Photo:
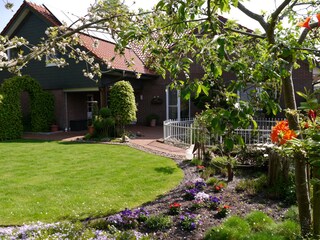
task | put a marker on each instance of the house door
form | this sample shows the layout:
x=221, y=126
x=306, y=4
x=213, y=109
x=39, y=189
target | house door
x=176, y=108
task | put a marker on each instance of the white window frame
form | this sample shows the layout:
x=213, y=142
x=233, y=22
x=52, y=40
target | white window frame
x=48, y=58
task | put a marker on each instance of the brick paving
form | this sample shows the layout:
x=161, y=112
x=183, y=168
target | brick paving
x=147, y=137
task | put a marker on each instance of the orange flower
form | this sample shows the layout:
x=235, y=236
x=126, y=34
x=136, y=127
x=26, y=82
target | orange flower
x=318, y=17
x=175, y=205
x=281, y=133
x=305, y=23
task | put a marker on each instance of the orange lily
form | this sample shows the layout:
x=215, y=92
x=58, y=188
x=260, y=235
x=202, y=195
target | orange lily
x=305, y=23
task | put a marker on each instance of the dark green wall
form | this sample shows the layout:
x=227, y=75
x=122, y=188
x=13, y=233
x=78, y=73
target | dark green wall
x=71, y=76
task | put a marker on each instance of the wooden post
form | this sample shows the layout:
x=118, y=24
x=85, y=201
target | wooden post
x=316, y=202
x=103, y=96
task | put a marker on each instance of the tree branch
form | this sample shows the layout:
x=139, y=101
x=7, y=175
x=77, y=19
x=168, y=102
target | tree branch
x=306, y=31
x=253, y=15
x=245, y=33
x=274, y=19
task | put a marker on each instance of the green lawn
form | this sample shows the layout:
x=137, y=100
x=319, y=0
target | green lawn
x=52, y=181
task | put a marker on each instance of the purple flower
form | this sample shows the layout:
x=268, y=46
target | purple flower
x=115, y=219
x=189, y=221
x=200, y=185
x=214, y=199
x=190, y=193
x=141, y=214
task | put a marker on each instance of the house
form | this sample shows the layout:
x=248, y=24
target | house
x=75, y=94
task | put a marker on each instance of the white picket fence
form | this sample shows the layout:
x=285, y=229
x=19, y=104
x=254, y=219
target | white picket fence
x=185, y=133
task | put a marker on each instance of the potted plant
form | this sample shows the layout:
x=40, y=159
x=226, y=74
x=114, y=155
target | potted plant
x=90, y=127
x=54, y=127
x=152, y=119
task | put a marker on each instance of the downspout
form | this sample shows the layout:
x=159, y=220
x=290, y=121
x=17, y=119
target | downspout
x=66, y=113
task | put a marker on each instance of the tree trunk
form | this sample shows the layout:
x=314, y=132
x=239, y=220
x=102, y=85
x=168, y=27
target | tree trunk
x=316, y=202
x=302, y=192
x=273, y=168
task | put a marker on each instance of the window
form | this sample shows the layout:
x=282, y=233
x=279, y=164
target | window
x=50, y=60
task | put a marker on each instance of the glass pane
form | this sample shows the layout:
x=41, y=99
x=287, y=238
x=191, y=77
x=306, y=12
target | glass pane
x=173, y=97
x=184, y=109
x=173, y=112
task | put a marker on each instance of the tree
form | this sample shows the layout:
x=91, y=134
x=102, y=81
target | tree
x=122, y=104
x=180, y=33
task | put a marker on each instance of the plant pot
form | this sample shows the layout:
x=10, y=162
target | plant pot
x=153, y=122
x=54, y=128
x=91, y=129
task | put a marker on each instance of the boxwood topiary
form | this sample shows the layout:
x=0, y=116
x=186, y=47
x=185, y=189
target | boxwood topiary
x=122, y=104
x=42, y=107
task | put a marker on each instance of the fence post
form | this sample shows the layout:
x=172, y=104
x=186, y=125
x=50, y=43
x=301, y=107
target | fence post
x=191, y=128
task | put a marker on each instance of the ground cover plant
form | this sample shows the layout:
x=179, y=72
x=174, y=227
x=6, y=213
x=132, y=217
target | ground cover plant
x=53, y=181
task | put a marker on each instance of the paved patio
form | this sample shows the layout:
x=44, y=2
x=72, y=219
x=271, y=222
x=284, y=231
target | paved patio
x=148, y=137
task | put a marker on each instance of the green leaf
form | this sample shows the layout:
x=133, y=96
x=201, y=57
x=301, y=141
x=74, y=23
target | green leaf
x=205, y=89
x=160, y=5
x=254, y=123
x=228, y=144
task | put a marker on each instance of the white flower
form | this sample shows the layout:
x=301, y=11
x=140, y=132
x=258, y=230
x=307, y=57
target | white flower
x=201, y=196
x=237, y=105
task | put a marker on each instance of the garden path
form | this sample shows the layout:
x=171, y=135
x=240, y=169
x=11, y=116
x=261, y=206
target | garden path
x=146, y=137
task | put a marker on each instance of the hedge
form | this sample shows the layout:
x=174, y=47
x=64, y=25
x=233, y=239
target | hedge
x=41, y=107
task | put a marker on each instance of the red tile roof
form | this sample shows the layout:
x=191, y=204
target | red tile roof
x=45, y=12
x=42, y=10
x=104, y=50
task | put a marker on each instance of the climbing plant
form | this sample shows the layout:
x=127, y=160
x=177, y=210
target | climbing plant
x=41, y=107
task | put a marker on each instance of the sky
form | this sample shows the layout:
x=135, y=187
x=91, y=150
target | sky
x=80, y=7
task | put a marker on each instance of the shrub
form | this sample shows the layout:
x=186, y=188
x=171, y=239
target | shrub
x=158, y=222
x=233, y=228
x=252, y=186
x=41, y=107
x=103, y=123
x=212, y=181
x=265, y=235
x=288, y=229
x=259, y=221
x=122, y=104
x=292, y=214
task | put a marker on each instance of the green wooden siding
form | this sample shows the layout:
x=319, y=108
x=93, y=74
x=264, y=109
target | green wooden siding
x=71, y=76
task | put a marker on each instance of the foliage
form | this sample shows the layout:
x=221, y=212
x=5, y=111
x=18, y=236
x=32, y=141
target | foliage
x=233, y=228
x=127, y=218
x=41, y=107
x=252, y=155
x=189, y=221
x=51, y=182
x=103, y=123
x=174, y=208
x=259, y=221
x=284, y=190
x=64, y=230
x=256, y=225
x=158, y=222
x=122, y=104
x=252, y=186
